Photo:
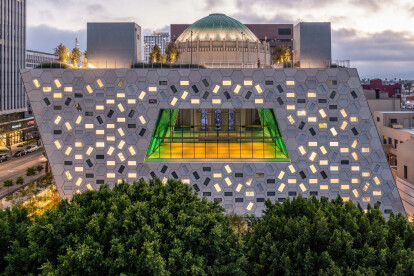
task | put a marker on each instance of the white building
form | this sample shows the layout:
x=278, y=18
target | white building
x=35, y=59
x=160, y=39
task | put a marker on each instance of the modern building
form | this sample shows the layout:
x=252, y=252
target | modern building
x=113, y=45
x=275, y=34
x=35, y=59
x=312, y=44
x=14, y=125
x=160, y=39
x=393, y=90
x=379, y=101
x=221, y=41
x=397, y=132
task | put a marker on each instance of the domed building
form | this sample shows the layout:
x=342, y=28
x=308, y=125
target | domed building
x=218, y=40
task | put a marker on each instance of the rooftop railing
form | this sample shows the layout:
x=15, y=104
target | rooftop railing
x=123, y=64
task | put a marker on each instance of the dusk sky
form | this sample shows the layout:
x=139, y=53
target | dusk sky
x=376, y=35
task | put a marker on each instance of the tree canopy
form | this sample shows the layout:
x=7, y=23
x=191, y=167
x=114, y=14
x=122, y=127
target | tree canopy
x=312, y=237
x=281, y=54
x=172, y=52
x=148, y=228
x=155, y=55
x=143, y=229
x=62, y=52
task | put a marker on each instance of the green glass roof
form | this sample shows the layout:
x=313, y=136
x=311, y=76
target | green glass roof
x=217, y=27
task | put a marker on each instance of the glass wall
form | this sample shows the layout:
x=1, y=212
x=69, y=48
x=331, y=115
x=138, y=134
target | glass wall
x=217, y=134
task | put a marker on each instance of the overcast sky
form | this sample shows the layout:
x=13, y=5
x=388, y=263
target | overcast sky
x=376, y=35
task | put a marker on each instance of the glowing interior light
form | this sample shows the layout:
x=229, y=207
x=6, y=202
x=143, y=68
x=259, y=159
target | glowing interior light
x=132, y=163
x=79, y=181
x=237, y=89
x=132, y=175
x=239, y=187
x=344, y=150
x=132, y=150
x=365, y=150
x=57, y=120
x=110, y=151
x=312, y=119
x=121, y=120
x=355, y=168
x=313, y=168
x=78, y=144
x=301, y=113
x=195, y=101
x=120, y=95
x=100, y=144
x=290, y=119
x=311, y=95
x=152, y=89
x=312, y=156
x=68, y=126
x=334, y=181
x=258, y=101
x=184, y=95
x=121, y=107
x=121, y=157
x=281, y=187
x=292, y=168
x=302, y=187
x=343, y=113
x=110, y=126
x=184, y=83
x=290, y=95
x=334, y=168
x=313, y=181
x=313, y=144
x=58, y=145
x=78, y=169
x=110, y=138
x=79, y=157
x=121, y=132
x=217, y=187
x=89, y=187
x=356, y=180
x=217, y=175
x=100, y=107
x=57, y=83
x=216, y=89
x=249, y=193
x=323, y=125
x=36, y=83
x=302, y=150
x=323, y=187
x=121, y=144
x=100, y=132
x=47, y=89
x=290, y=107
x=354, y=119
x=290, y=82
x=333, y=131
x=344, y=187
x=68, y=150
x=366, y=174
x=323, y=162
x=355, y=143
x=132, y=101
x=68, y=175
x=322, y=113
x=142, y=120
x=376, y=180
x=248, y=83
x=68, y=89
x=228, y=181
x=142, y=95
x=110, y=175
x=250, y=206
x=216, y=101
x=249, y=181
x=57, y=95
x=355, y=192
x=323, y=150
x=258, y=88
x=355, y=156
x=99, y=82
x=79, y=120
x=377, y=193
x=226, y=82
x=89, y=151
x=227, y=168
x=174, y=101
x=89, y=126
x=292, y=181
x=281, y=175
x=89, y=89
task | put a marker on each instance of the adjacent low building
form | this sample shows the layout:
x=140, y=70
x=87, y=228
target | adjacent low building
x=113, y=45
x=36, y=58
x=160, y=39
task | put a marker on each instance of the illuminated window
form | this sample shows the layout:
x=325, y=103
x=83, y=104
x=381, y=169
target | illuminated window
x=311, y=95
x=132, y=163
x=217, y=187
x=258, y=88
x=376, y=180
x=58, y=145
x=343, y=113
x=121, y=107
x=290, y=95
x=121, y=120
x=78, y=169
x=121, y=132
x=366, y=174
x=313, y=168
x=174, y=101
x=323, y=187
x=323, y=162
x=216, y=89
x=57, y=95
x=291, y=120
x=377, y=193
x=88, y=126
x=216, y=101
x=354, y=119
x=322, y=113
x=258, y=101
x=323, y=125
x=79, y=157
x=226, y=82
x=365, y=150
x=100, y=107
x=292, y=168
x=142, y=120
x=290, y=107
x=100, y=132
x=355, y=168
x=228, y=181
x=142, y=95
x=344, y=125
x=313, y=181
x=152, y=89
x=248, y=83
x=250, y=206
x=68, y=126
x=121, y=144
x=323, y=150
x=110, y=138
x=89, y=151
x=67, y=89
x=68, y=175
x=68, y=150
x=110, y=175
x=290, y=82
x=355, y=143
x=132, y=101
x=344, y=187
x=237, y=89
x=57, y=120
x=110, y=151
x=312, y=144
x=100, y=144
x=228, y=169
x=47, y=89
x=312, y=119
x=292, y=181
x=302, y=187
x=333, y=144
x=79, y=181
x=301, y=112
x=281, y=175
x=195, y=101
x=312, y=156
x=36, y=83
x=184, y=95
x=99, y=82
x=239, y=187
x=334, y=168
x=344, y=150
x=355, y=156
x=89, y=89
x=121, y=157
x=132, y=150
x=333, y=131
x=78, y=144
x=184, y=83
x=79, y=120
x=281, y=187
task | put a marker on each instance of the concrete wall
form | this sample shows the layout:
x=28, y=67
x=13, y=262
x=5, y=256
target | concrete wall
x=312, y=43
x=113, y=45
x=405, y=154
x=384, y=105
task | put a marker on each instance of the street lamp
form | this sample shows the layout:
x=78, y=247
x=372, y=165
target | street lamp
x=242, y=48
x=191, y=45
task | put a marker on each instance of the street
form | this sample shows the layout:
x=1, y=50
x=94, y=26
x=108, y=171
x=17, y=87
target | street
x=16, y=166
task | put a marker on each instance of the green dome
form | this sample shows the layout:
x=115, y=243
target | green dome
x=217, y=27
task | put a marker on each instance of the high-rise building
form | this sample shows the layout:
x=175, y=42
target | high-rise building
x=35, y=59
x=113, y=45
x=14, y=126
x=160, y=39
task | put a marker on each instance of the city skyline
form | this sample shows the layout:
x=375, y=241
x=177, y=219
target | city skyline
x=374, y=35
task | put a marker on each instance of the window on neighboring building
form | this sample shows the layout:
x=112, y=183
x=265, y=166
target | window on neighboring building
x=393, y=121
x=285, y=31
x=389, y=141
x=395, y=143
x=378, y=119
x=405, y=172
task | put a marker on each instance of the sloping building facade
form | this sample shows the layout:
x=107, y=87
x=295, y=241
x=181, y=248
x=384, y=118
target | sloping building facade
x=237, y=136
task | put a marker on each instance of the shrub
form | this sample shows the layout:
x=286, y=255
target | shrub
x=8, y=183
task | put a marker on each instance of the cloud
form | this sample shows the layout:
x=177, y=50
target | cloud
x=45, y=38
x=95, y=8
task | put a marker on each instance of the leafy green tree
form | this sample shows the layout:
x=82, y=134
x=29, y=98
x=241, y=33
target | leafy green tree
x=8, y=183
x=172, y=52
x=31, y=171
x=312, y=237
x=146, y=228
x=155, y=55
x=85, y=59
x=20, y=180
x=62, y=52
x=75, y=56
x=281, y=54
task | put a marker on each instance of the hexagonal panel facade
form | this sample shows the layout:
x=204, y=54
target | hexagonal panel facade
x=97, y=125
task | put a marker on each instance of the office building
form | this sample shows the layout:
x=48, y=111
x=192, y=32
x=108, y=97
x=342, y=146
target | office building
x=14, y=125
x=160, y=39
x=35, y=59
x=113, y=45
x=393, y=90
x=312, y=45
